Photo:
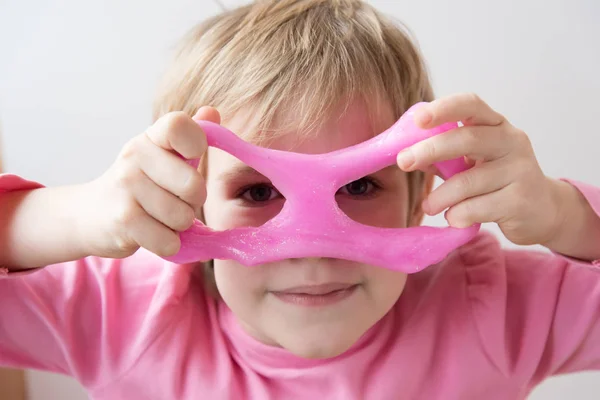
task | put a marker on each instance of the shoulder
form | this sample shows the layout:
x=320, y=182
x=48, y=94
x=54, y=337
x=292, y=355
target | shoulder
x=492, y=294
x=139, y=284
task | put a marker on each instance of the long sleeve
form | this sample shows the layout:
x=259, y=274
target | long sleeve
x=537, y=313
x=89, y=319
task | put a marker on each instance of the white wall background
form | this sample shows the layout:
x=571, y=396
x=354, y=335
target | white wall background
x=77, y=79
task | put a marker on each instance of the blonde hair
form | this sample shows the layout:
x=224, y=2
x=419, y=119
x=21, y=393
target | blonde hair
x=308, y=55
x=300, y=58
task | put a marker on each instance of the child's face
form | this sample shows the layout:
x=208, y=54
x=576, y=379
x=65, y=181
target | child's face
x=310, y=325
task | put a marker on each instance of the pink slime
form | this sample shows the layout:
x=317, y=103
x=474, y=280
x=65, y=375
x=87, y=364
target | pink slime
x=310, y=223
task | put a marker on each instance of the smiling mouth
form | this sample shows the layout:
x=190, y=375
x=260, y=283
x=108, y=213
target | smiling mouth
x=317, y=295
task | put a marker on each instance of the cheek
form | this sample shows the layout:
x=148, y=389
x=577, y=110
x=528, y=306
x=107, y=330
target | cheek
x=235, y=280
x=242, y=288
x=387, y=211
x=385, y=287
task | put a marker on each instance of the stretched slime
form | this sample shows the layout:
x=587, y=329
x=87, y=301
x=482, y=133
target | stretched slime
x=310, y=223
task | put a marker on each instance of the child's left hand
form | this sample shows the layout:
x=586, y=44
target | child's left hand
x=505, y=185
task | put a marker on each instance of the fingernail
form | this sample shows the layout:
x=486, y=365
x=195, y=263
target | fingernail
x=405, y=159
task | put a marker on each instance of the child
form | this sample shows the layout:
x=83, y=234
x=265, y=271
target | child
x=310, y=76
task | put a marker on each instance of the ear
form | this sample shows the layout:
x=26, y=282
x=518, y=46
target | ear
x=417, y=214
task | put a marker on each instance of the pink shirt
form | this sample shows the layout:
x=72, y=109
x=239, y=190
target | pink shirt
x=486, y=323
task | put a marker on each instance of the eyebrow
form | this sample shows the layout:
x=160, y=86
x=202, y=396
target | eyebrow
x=239, y=172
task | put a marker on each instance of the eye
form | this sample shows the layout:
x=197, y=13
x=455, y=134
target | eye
x=259, y=193
x=360, y=187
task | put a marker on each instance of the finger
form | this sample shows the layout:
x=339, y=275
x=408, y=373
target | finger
x=172, y=173
x=480, y=209
x=207, y=113
x=162, y=205
x=483, y=179
x=467, y=108
x=473, y=142
x=176, y=131
x=432, y=170
x=204, y=113
x=154, y=236
x=469, y=162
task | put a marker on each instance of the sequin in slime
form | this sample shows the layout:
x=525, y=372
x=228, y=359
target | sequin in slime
x=310, y=223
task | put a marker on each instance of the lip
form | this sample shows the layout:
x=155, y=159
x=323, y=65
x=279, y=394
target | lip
x=317, y=295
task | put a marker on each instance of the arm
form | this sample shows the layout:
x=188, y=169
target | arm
x=552, y=321
x=146, y=197
x=578, y=235
x=92, y=317
x=538, y=314
x=38, y=226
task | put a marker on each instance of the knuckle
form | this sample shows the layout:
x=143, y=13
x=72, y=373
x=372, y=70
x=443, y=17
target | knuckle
x=471, y=137
x=175, y=123
x=474, y=97
x=427, y=151
x=127, y=214
x=467, y=214
x=521, y=138
x=170, y=245
x=126, y=176
x=454, y=216
x=172, y=212
x=470, y=207
x=131, y=149
x=465, y=182
x=193, y=187
x=501, y=118
x=188, y=216
x=183, y=218
x=125, y=246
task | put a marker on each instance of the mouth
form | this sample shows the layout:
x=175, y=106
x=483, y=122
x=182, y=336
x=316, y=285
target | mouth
x=317, y=295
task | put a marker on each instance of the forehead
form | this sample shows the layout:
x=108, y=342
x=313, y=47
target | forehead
x=349, y=126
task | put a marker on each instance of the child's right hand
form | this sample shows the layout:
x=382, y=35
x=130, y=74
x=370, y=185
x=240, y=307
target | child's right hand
x=150, y=193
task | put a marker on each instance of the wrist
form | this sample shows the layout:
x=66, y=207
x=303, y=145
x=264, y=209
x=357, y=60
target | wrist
x=64, y=221
x=576, y=231
x=76, y=218
x=560, y=197
x=39, y=228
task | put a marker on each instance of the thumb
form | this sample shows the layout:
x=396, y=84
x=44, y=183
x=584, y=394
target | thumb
x=207, y=113
x=204, y=113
